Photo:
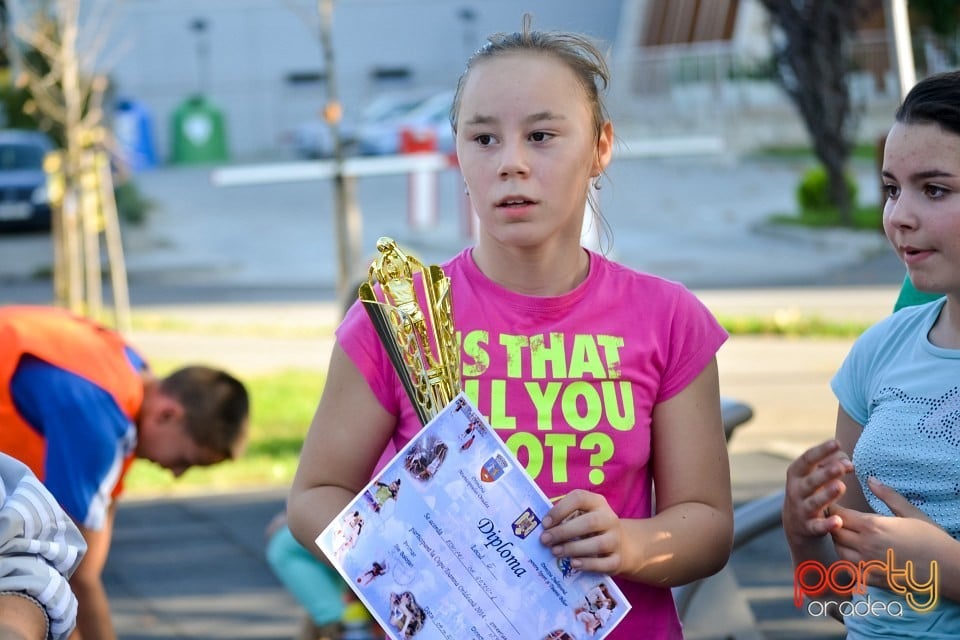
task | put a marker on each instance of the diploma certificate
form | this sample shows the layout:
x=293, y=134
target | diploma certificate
x=444, y=544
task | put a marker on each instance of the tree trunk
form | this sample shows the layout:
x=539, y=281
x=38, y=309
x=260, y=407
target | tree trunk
x=348, y=223
x=813, y=64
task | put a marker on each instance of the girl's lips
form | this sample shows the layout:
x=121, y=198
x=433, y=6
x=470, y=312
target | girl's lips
x=516, y=211
x=912, y=255
x=515, y=207
x=515, y=201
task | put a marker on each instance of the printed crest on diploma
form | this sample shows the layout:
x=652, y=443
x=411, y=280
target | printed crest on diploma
x=444, y=543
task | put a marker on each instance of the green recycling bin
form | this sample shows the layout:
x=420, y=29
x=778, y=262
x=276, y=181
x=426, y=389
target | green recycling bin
x=199, y=133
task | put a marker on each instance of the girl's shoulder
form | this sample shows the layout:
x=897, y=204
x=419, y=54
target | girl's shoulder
x=618, y=275
x=906, y=322
x=900, y=333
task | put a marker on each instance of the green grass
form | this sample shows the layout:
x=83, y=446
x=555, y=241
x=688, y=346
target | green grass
x=791, y=324
x=861, y=151
x=283, y=403
x=865, y=218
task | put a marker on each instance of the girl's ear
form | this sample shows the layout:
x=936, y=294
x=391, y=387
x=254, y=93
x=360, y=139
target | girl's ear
x=604, y=148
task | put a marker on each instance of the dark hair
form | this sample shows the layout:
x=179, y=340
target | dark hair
x=216, y=407
x=934, y=100
x=578, y=52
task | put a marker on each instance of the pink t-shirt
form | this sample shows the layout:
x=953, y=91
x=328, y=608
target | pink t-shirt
x=570, y=383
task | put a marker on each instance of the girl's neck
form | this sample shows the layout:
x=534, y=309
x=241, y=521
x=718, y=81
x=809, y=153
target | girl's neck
x=542, y=272
x=945, y=332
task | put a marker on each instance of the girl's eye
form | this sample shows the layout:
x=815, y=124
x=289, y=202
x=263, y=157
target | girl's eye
x=540, y=136
x=891, y=191
x=934, y=191
x=483, y=139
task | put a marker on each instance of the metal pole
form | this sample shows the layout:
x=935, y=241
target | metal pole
x=901, y=58
x=901, y=50
x=199, y=26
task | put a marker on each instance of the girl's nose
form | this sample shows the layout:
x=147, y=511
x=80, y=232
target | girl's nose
x=513, y=160
x=899, y=213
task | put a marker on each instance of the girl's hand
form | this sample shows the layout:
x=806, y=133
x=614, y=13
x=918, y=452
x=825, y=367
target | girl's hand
x=899, y=505
x=813, y=486
x=910, y=534
x=583, y=527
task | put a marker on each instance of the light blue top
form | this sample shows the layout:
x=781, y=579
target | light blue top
x=906, y=393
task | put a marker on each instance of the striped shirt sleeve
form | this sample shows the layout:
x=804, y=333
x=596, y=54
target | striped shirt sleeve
x=40, y=546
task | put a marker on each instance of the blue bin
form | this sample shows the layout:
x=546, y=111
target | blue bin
x=133, y=128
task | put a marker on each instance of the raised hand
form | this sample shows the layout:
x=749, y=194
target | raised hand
x=814, y=483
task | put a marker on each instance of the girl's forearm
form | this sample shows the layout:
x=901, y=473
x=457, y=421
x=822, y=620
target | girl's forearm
x=681, y=544
x=309, y=512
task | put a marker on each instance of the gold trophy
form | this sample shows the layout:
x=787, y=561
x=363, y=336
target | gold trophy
x=419, y=338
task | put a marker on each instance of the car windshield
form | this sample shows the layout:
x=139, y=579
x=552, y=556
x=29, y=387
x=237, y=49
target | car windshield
x=396, y=110
x=387, y=107
x=20, y=156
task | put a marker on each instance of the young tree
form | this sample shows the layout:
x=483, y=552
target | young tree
x=66, y=98
x=813, y=64
x=347, y=217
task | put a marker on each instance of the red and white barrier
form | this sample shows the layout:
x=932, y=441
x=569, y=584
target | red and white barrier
x=423, y=169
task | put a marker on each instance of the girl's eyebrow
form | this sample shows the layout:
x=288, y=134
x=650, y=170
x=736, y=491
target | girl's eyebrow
x=544, y=115
x=480, y=119
x=921, y=175
x=533, y=117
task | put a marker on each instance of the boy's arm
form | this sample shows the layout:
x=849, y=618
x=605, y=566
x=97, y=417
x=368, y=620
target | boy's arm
x=93, y=616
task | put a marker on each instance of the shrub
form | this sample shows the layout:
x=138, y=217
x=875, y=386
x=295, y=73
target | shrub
x=813, y=193
x=132, y=205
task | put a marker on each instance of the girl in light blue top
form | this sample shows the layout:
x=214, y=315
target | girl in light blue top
x=883, y=498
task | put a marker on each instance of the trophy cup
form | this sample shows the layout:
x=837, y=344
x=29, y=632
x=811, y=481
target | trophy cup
x=419, y=338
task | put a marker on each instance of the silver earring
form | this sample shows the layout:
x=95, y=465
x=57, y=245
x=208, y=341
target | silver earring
x=596, y=183
x=466, y=189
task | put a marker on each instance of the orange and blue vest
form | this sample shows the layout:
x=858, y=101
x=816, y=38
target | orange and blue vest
x=99, y=358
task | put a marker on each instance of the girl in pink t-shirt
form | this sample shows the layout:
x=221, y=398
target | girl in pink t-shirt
x=603, y=380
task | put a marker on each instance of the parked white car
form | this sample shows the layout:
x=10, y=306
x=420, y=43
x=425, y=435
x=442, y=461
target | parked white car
x=314, y=139
x=430, y=117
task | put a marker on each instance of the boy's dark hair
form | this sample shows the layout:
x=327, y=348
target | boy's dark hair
x=933, y=100
x=216, y=407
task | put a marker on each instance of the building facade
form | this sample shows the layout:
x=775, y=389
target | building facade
x=260, y=62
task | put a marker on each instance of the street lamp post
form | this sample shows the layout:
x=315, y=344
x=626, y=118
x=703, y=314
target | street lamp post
x=898, y=26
